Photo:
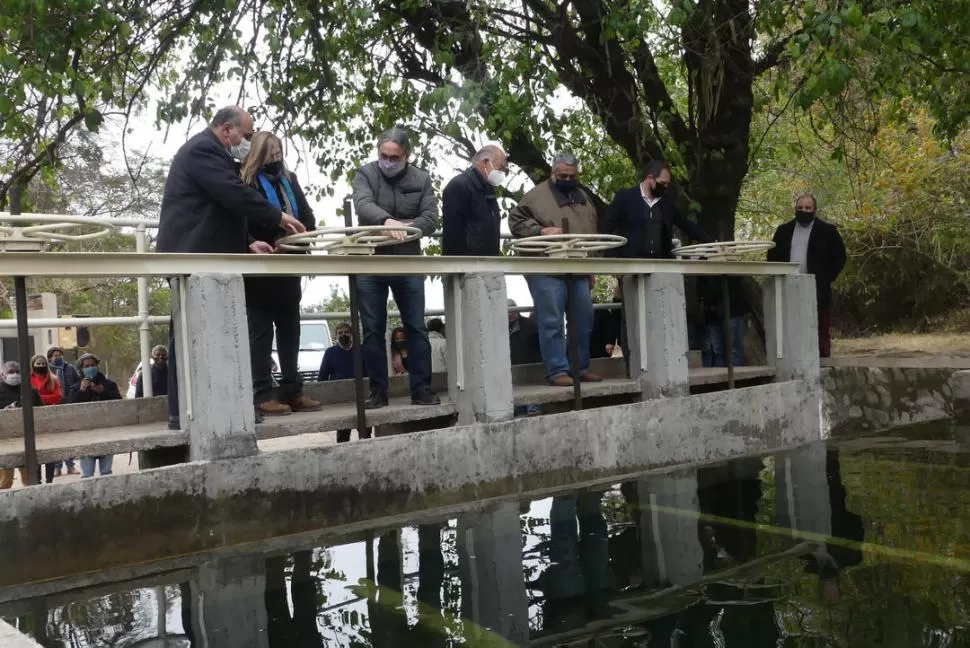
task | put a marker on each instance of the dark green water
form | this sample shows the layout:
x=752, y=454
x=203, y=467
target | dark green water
x=861, y=543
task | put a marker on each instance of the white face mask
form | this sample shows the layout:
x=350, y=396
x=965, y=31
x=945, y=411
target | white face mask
x=496, y=177
x=240, y=150
x=12, y=379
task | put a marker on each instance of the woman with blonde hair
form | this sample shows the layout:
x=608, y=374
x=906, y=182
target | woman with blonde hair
x=45, y=382
x=274, y=302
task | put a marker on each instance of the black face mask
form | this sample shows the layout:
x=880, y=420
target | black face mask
x=804, y=217
x=344, y=340
x=566, y=186
x=659, y=190
x=40, y=371
x=399, y=344
x=273, y=169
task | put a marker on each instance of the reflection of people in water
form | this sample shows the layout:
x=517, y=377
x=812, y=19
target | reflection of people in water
x=833, y=557
x=578, y=575
x=300, y=629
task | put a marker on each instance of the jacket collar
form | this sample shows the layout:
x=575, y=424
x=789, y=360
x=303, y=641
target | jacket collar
x=478, y=180
x=575, y=197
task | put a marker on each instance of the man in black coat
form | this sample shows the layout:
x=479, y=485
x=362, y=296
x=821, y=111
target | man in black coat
x=469, y=207
x=207, y=207
x=523, y=338
x=817, y=247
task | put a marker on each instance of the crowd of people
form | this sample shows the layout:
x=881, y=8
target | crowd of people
x=229, y=191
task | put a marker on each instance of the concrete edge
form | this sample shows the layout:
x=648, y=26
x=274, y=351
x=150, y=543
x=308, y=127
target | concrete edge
x=10, y=637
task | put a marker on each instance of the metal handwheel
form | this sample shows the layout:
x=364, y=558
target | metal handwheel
x=35, y=232
x=347, y=240
x=569, y=246
x=723, y=251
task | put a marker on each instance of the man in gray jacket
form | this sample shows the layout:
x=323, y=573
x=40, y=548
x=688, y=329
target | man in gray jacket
x=393, y=193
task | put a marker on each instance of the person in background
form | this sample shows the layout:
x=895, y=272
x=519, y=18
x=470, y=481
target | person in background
x=338, y=364
x=399, y=351
x=393, y=193
x=95, y=386
x=70, y=380
x=711, y=291
x=524, y=349
x=544, y=211
x=159, y=374
x=439, y=345
x=818, y=249
x=10, y=379
x=207, y=208
x=471, y=220
x=606, y=332
x=44, y=382
x=275, y=301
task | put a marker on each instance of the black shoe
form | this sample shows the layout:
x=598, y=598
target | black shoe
x=260, y=417
x=173, y=424
x=425, y=397
x=376, y=400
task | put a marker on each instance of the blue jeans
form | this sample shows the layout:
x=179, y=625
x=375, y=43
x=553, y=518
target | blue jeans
x=549, y=298
x=712, y=351
x=408, y=294
x=87, y=465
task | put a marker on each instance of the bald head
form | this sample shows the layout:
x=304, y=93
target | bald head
x=491, y=159
x=233, y=125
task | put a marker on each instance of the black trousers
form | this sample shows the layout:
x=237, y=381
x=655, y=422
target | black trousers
x=343, y=436
x=173, y=373
x=286, y=321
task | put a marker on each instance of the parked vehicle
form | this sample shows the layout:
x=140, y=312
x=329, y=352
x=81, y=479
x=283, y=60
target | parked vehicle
x=314, y=341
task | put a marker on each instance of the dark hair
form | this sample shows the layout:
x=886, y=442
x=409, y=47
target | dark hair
x=228, y=115
x=808, y=195
x=654, y=168
x=435, y=324
x=399, y=329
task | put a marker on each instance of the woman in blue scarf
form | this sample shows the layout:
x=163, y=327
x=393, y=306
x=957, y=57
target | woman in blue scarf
x=275, y=301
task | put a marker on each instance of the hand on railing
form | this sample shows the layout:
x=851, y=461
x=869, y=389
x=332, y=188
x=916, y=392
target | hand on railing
x=550, y=231
x=397, y=234
x=261, y=247
x=292, y=225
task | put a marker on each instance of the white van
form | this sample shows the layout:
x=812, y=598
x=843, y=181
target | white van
x=314, y=341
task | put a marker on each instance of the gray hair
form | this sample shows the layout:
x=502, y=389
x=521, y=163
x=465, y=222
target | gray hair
x=808, y=195
x=487, y=151
x=10, y=364
x=88, y=356
x=160, y=347
x=231, y=115
x=398, y=136
x=565, y=158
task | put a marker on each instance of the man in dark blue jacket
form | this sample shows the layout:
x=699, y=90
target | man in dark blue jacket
x=470, y=213
x=207, y=207
x=338, y=364
x=646, y=216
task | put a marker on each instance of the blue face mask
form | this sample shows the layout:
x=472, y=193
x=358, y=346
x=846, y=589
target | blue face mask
x=90, y=372
x=58, y=362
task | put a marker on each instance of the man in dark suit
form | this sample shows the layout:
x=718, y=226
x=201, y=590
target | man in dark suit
x=471, y=221
x=646, y=216
x=207, y=207
x=817, y=247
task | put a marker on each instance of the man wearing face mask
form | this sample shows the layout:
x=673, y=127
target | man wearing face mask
x=207, y=208
x=471, y=221
x=338, y=364
x=394, y=193
x=817, y=247
x=159, y=374
x=542, y=212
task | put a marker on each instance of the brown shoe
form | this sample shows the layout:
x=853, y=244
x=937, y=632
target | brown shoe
x=303, y=404
x=561, y=381
x=273, y=408
x=589, y=376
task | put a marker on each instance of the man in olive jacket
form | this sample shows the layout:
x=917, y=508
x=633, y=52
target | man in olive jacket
x=542, y=212
x=393, y=193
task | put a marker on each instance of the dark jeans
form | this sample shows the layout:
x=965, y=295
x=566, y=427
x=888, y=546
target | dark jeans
x=408, y=294
x=173, y=373
x=824, y=338
x=287, y=323
x=343, y=436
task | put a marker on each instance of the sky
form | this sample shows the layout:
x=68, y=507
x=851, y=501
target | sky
x=144, y=137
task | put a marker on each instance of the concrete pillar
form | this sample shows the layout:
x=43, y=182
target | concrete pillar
x=217, y=382
x=228, y=606
x=671, y=549
x=479, y=365
x=490, y=563
x=656, y=321
x=802, y=490
x=796, y=339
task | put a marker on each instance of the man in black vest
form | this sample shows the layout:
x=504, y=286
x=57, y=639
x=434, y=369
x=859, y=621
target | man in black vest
x=817, y=247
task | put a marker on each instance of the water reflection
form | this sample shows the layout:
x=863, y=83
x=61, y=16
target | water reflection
x=756, y=552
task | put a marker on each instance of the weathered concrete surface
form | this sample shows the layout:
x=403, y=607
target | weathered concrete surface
x=85, y=416
x=799, y=318
x=229, y=604
x=223, y=423
x=479, y=373
x=122, y=519
x=874, y=398
x=960, y=383
x=659, y=362
x=10, y=637
x=886, y=362
x=670, y=544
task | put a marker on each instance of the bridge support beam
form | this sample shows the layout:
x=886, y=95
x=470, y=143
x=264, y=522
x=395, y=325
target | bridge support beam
x=671, y=549
x=479, y=364
x=490, y=564
x=791, y=327
x=216, y=390
x=228, y=607
x=656, y=333
x=802, y=490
